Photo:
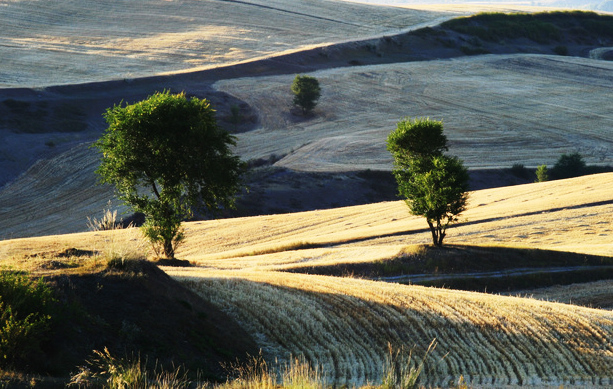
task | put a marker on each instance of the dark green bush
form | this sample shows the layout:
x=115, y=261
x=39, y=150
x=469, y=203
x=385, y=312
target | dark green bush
x=568, y=165
x=494, y=27
x=26, y=309
x=520, y=171
x=560, y=50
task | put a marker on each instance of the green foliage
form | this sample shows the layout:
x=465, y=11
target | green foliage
x=415, y=139
x=542, y=174
x=561, y=50
x=539, y=27
x=439, y=194
x=567, y=166
x=520, y=171
x=434, y=185
x=306, y=92
x=494, y=27
x=26, y=309
x=235, y=115
x=166, y=156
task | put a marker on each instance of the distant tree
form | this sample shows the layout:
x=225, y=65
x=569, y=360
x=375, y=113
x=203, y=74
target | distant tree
x=306, y=92
x=568, y=165
x=542, y=174
x=434, y=185
x=166, y=156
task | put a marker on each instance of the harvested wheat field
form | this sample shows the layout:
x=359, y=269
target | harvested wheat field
x=51, y=43
x=498, y=110
x=345, y=324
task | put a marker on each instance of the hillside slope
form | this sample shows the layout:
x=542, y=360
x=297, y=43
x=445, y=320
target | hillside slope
x=497, y=110
x=345, y=324
x=48, y=43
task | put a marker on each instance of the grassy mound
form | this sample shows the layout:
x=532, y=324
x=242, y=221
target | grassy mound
x=542, y=27
x=137, y=311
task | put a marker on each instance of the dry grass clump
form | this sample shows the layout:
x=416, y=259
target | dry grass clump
x=107, y=371
x=77, y=253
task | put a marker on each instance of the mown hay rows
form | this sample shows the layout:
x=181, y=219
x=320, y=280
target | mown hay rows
x=346, y=324
x=56, y=195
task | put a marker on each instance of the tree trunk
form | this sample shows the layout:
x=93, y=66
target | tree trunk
x=434, y=232
x=169, y=251
x=438, y=233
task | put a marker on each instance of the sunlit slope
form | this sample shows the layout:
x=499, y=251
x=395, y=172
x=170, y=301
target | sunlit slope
x=49, y=42
x=497, y=110
x=598, y=294
x=569, y=215
x=345, y=325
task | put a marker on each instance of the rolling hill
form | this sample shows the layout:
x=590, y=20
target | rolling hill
x=344, y=324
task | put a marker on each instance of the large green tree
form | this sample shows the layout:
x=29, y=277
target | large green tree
x=434, y=185
x=166, y=157
x=306, y=91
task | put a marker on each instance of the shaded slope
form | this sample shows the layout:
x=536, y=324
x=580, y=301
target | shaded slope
x=140, y=311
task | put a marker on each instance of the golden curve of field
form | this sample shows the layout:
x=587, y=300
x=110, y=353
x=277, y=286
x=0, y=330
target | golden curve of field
x=497, y=111
x=46, y=43
x=344, y=325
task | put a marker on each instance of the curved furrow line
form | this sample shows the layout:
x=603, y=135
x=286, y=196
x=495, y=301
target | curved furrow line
x=344, y=325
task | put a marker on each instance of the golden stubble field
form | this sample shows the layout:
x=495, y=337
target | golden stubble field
x=498, y=110
x=345, y=325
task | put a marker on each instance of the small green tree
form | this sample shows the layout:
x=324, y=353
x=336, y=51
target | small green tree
x=166, y=156
x=306, y=92
x=541, y=174
x=434, y=185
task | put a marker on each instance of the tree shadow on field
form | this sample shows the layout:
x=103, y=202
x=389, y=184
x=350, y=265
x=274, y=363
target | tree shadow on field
x=489, y=340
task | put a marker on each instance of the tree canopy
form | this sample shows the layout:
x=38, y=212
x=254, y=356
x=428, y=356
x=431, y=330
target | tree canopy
x=166, y=156
x=434, y=185
x=306, y=92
